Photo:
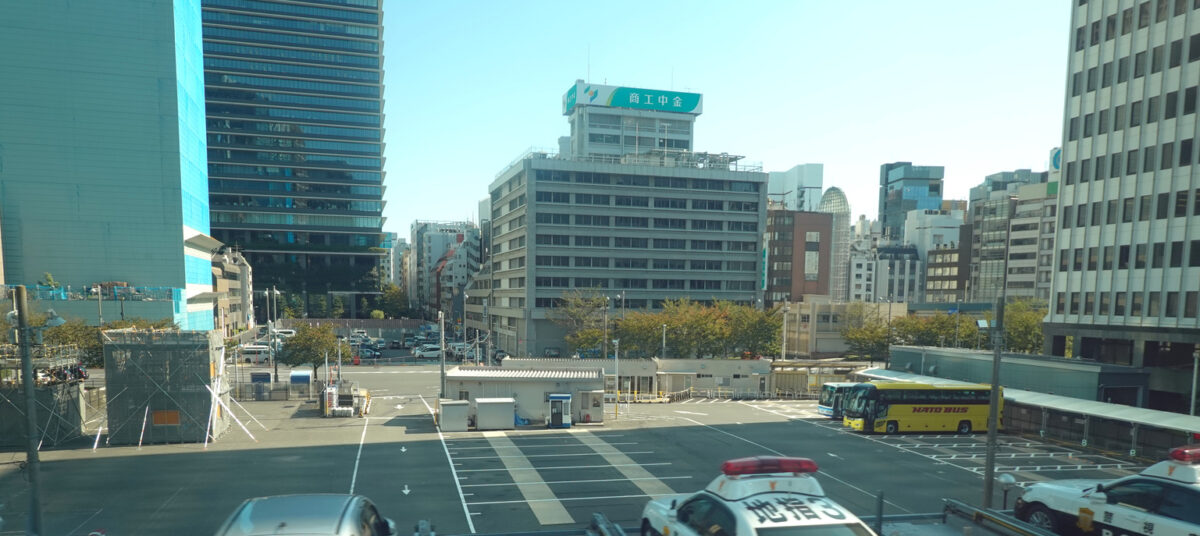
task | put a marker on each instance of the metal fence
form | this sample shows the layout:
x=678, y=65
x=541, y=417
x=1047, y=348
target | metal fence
x=1117, y=437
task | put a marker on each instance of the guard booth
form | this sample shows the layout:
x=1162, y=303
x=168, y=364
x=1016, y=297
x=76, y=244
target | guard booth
x=560, y=411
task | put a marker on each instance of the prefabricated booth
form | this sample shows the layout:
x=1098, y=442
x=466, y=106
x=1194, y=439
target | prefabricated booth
x=531, y=392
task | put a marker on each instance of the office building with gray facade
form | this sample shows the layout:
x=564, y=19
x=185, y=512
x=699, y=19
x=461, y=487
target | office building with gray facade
x=1127, y=281
x=638, y=220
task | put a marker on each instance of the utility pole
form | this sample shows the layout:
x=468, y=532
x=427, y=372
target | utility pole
x=442, y=329
x=617, y=373
x=664, y=356
x=605, y=342
x=783, y=338
x=34, y=524
x=989, y=468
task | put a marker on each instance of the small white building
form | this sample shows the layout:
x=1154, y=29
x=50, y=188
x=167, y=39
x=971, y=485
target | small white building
x=531, y=389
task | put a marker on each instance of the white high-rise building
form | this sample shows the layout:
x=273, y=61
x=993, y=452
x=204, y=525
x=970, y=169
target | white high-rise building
x=1126, y=285
x=798, y=188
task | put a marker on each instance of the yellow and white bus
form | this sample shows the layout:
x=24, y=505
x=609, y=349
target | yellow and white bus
x=894, y=407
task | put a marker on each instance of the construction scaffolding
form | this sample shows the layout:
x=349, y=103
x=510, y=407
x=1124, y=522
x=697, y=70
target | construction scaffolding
x=165, y=386
x=62, y=408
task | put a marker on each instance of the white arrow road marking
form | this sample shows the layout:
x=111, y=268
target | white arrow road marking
x=690, y=413
x=832, y=454
x=405, y=490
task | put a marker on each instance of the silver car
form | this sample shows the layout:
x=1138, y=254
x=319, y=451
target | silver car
x=332, y=513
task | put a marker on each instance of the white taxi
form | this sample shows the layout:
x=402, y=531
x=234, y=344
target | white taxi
x=759, y=496
x=1162, y=500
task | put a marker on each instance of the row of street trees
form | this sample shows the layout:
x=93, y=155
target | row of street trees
x=692, y=329
x=868, y=334
x=87, y=338
x=392, y=303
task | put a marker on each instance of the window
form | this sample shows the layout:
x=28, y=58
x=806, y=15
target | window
x=1123, y=258
x=1156, y=59
x=1152, y=110
x=592, y=241
x=591, y=199
x=743, y=226
x=1097, y=212
x=1072, y=130
x=1110, y=27
x=1196, y=203
x=670, y=182
x=1085, y=171
x=1143, y=15
x=627, y=221
x=1144, y=213
x=1081, y=216
x=705, y=265
x=1115, y=167
x=1194, y=253
x=670, y=243
x=1175, y=56
x=1131, y=162
x=1080, y=38
x=1078, y=264
x=552, y=260
x=548, y=217
x=1119, y=307
x=553, y=282
x=1180, y=7
x=708, y=225
x=1189, y=94
x=591, y=262
x=1163, y=206
x=1089, y=303
x=1095, y=33
x=1157, y=251
x=708, y=204
x=707, y=245
x=1168, y=156
x=630, y=263
x=668, y=202
x=1194, y=48
x=1111, y=212
x=1092, y=79
x=631, y=201
x=1060, y=303
x=669, y=264
x=1139, y=65
x=1189, y=304
x=1177, y=254
x=1135, y=114
x=1127, y=210
x=1089, y=126
x=1067, y=216
x=632, y=243
x=593, y=178
x=704, y=284
x=670, y=223
x=1108, y=257
x=552, y=240
x=591, y=282
x=743, y=206
x=1160, y=11
x=1105, y=303
x=1093, y=258
x=1139, y=256
x=673, y=284
x=1185, y=152
x=552, y=197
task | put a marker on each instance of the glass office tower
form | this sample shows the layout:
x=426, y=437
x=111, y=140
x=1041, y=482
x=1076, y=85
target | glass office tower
x=294, y=114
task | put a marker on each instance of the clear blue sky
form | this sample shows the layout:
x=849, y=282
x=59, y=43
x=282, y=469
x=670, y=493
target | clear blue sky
x=975, y=86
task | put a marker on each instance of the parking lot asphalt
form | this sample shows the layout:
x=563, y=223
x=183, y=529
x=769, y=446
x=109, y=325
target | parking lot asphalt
x=491, y=482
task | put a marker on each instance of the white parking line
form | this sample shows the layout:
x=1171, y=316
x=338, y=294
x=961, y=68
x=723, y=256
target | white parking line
x=558, y=445
x=572, y=481
x=636, y=474
x=572, y=467
x=541, y=499
x=538, y=455
x=600, y=498
x=453, y=472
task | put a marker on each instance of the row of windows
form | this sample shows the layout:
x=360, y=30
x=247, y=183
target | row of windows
x=1136, y=303
x=1126, y=20
x=291, y=128
x=657, y=284
x=643, y=222
x=264, y=97
x=219, y=109
x=1103, y=76
x=1119, y=164
x=294, y=173
x=290, y=69
x=315, y=159
x=228, y=185
x=306, y=41
x=1148, y=206
x=285, y=83
x=306, y=11
x=641, y=263
x=644, y=243
x=268, y=23
x=641, y=201
x=635, y=141
x=545, y=175
x=217, y=200
x=211, y=47
x=1133, y=114
x=634, y=303
x=1156, y=255
x=292, y=143
x=296, y=219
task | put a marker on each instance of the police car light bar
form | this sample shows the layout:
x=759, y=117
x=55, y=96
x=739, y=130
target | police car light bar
x=1185, y=454
x=758, y=465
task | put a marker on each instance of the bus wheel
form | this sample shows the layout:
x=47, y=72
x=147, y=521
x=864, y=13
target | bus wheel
x=964, y=427
x=892, y=427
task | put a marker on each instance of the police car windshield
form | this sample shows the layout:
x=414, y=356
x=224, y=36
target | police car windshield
x=815, y=530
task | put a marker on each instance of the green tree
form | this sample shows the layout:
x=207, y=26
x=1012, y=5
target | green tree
x=394, y=302
x=310, y=346
x=77, y=332
x=292, y=305
x=339, y=308
x=695, y=330
x=751, y=330
x=865, y=331
x=640, y=333
x=377, y=314
x=48, y=281
x=1023, y=326
x=581, y=311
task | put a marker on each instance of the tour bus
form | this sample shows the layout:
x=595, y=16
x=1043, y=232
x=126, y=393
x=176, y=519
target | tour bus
x=256, y=353
x=833, y=395
x=917, y=407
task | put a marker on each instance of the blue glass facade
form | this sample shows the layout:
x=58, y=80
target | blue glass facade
x=904, y=187
x=294, y=137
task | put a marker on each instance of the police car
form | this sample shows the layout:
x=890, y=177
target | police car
x=1162, y=500
x=763, y=496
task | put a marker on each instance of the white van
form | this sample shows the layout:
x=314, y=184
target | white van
x=285, y=332
x=256, y=353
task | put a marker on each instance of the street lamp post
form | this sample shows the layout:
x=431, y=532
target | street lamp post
x=29, y=381
x=617, y=373
x=442, y=329
x=783, y=339
x=605, y=342
x=665, y=351
x=957, y=311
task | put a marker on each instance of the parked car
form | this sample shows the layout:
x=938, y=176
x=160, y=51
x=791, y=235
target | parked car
x=367, y=353
x=427, y=351
x=396, y=344
x=552, y=352
x=333, y=514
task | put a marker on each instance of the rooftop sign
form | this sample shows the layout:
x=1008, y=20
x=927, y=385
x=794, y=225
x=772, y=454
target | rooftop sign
x=582, y=93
